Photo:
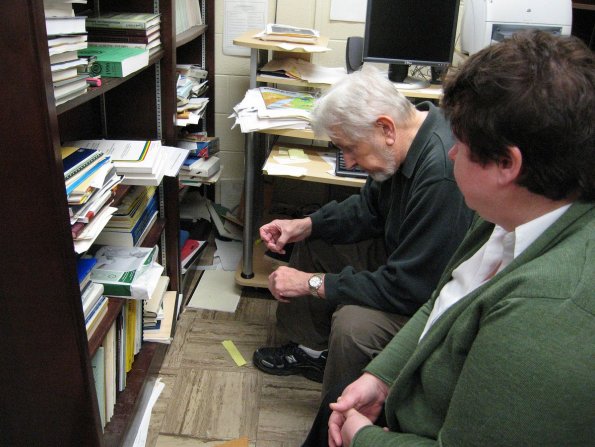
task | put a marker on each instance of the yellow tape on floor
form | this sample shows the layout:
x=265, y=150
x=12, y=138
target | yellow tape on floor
x=233, y=351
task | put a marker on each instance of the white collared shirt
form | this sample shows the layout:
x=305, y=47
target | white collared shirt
x=499, y=251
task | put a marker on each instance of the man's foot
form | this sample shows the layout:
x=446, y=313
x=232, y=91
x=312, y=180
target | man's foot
x=288, y=360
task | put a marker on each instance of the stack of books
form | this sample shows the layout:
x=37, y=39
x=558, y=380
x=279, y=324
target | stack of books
x=161, y=332
x=132, y=220
x=191, y=85
x=93, y=301
x=90, y=179
x=197, y=171
x=288, y=33
x=66, y=35
x=153, y=307
x=125, y=30
x=140, y=162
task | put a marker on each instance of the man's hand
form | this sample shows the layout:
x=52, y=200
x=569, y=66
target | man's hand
x=278, y=233
x=360, y=404
x=287, y=282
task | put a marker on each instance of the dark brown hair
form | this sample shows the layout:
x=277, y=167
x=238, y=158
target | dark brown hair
x=537, y=92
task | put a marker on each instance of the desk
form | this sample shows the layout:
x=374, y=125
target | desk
x=260, y=52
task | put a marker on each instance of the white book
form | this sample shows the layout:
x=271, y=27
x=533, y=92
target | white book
x=109, y=344
x=65, y=25
x=153, y=304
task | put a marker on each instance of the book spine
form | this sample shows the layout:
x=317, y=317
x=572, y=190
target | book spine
x=117, y=24
x=144, y=220
x=121, y=44
x=103, y=39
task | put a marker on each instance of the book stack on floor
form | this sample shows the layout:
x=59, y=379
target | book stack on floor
x=140, y=162
x=138, y=31
x=90, y=179
x=66, y=35
x=132, y=220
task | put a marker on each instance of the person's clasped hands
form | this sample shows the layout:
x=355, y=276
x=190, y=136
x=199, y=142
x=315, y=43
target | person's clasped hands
x=359, y=405
x=286, y=282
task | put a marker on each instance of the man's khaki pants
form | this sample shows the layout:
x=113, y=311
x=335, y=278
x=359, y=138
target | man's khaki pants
x=352, y=334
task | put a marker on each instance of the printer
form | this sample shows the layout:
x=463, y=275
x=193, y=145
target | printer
x=490, y=21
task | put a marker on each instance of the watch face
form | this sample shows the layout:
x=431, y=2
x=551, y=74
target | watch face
x=315, y=282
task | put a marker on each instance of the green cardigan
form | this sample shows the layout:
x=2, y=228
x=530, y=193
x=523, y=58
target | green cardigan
x=510, y=364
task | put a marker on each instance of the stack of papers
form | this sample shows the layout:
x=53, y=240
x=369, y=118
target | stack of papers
x=140, y=162
x=302, y=70
x=270, y=108
x=288, y=33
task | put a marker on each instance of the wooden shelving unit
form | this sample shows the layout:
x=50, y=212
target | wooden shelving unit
x=253, y=270
x=47, y=383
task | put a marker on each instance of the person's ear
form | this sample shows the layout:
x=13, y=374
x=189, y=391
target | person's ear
x=509, y=166
x=387, y=125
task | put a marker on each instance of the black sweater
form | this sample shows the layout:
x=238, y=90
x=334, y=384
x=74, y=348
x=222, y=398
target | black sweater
x=419, y=212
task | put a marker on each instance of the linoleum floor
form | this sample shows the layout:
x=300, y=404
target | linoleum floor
x=208, y=400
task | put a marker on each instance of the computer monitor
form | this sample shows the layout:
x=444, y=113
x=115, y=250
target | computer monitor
x=402, y=33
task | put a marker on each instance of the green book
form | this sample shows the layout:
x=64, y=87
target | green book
x=115, y=62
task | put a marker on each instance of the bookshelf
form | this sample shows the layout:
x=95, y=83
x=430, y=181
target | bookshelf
x=47, y=383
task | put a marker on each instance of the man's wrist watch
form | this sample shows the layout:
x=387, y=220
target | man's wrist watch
x=314, y=283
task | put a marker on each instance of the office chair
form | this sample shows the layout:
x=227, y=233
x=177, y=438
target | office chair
x=354, y=53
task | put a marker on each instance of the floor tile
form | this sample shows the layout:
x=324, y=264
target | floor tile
x=210, y=404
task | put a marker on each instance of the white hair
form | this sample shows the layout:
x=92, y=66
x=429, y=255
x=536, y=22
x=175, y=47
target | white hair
x=353, y=105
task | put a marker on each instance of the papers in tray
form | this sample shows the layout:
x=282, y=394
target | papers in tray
x=269, y=108
x=303, y=70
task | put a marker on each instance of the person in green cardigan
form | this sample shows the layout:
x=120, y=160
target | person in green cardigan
x=503, y=353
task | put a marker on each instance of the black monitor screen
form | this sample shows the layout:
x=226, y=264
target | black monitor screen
x=416, y=32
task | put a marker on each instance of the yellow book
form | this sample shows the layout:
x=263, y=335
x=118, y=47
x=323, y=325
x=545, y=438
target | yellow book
x=130, y=333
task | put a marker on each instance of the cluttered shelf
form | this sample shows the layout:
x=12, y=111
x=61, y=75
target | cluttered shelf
x=248, y=40
x=317, y=165
x=107, y=84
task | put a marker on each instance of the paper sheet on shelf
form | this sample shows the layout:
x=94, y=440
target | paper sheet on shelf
x=291, y=171
x=174, y=158
x=306, y=71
